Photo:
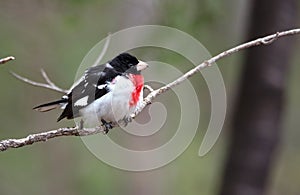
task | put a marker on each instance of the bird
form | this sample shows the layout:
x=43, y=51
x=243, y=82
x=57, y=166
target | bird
x=108, y=93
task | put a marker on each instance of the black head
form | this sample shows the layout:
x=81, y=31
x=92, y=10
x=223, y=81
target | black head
x=124, y=62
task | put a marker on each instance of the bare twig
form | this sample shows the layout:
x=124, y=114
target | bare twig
x=7, y=59
x=48, y=85
x=103, y=51
x=148, y=87
x=44, y=74
x=14, y=143
x=105, y=47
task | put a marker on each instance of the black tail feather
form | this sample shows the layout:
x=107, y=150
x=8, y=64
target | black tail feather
x=68, y=112
x=50, y=106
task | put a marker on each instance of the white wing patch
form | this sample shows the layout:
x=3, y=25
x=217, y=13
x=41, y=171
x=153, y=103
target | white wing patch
x=107, y=65
x=82, y=101
x=101, y=86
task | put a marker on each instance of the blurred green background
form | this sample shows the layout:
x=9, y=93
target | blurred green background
x=56, y=35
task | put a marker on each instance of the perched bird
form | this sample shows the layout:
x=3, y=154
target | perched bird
x=108, y=92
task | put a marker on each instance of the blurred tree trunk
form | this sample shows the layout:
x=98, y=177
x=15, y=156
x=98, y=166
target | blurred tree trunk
x=260, y=103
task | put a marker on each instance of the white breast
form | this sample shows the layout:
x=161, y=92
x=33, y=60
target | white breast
x=113, y=106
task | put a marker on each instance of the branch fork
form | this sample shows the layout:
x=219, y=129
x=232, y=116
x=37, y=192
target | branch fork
x=48, y=85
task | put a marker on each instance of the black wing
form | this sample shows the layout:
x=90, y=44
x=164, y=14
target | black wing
x=91, y=87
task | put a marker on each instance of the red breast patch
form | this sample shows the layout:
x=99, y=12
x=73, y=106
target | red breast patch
x=138, y=81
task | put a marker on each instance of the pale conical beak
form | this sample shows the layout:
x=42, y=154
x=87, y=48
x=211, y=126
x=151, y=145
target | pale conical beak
x=141, y=65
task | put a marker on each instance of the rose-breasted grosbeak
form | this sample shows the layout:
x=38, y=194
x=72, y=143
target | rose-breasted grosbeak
x=108, y=92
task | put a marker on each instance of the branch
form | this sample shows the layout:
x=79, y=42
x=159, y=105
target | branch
x=7, y=59
x=42, y=137
x=260, y=41
x=49, y=84
x=76, y=131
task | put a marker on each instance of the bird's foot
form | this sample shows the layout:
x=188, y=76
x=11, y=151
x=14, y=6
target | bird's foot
x=81, y=124
x=127, y=120
x=124, y=122
x=107, y=126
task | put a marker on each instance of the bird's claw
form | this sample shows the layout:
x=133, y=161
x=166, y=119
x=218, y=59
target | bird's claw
x=81, y=124
x=126, y=120
x=107, y=126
